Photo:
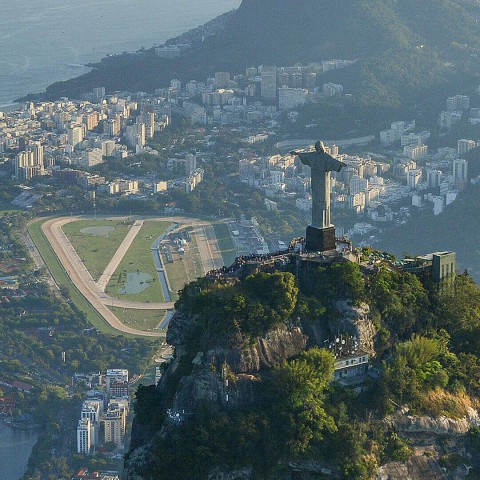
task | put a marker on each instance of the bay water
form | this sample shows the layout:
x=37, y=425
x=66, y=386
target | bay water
x=43, y=41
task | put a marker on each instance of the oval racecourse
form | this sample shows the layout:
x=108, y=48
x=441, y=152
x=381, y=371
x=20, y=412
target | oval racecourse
x=128, y=269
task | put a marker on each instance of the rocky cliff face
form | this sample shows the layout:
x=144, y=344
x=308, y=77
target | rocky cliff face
x=411, y=424
x=240, y=366
x=221, y=377
x=429, y=437
x=275, y=347
x=421, y=466
x=244, y=474
x=226, y=376
x=355, y=320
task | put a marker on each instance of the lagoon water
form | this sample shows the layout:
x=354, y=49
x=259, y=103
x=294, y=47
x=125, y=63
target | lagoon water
x=15, y=449
x=43, y=41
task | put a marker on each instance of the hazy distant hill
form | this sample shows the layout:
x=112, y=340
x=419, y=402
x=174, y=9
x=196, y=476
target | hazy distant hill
x=283, y=32
x=405, y=47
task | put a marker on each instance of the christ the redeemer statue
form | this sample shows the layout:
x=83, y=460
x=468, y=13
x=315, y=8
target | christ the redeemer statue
x=321, y=234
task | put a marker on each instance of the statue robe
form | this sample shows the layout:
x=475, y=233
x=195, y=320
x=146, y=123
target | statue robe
x=321, y=164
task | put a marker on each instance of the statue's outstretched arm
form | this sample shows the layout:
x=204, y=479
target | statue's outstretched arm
x=332, y=164
x=305, y=157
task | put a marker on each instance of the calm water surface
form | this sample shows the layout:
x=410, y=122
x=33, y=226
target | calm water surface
x=15, y=448
x=43, y=41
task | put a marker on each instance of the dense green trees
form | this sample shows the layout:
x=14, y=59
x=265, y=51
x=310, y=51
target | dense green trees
x=250, y=309
x=339, y=281
x=25, y=336
x=295, y=397
x=401, y=300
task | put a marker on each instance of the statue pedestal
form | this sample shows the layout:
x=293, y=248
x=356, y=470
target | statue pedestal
x=320, y=239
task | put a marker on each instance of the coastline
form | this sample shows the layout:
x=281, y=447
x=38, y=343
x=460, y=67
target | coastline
x=10, y=107
x=18, y=426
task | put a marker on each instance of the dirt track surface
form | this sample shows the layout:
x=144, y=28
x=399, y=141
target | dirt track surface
x=208, y=247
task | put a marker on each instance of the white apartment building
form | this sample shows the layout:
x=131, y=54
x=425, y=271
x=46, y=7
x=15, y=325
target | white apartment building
x=84, y=436
x=113, y=425
x=107, y=146
x=91, y=411
x=148, y=119
x=414, y=138
x=387, y=137
x=397, y=129
x=176, y=84
x=448, y=119
x=268, y=83
x=193, y=180
x=112, y=127
x=458, y=102
x=475, y=112
x=446, y=152
x=357, y=184
x=371, y=195
x=91, y=157
x=376, y=180
x=289, y=98
x=438, y=205
x=357, y=202
x=415, y=152
x=190, y=164
x=75, y=134
x=115, y=375
x=434, y=178
x=413, y=178
x=27, y=165
x=417, y=200
x=332, y=89
x=460, y=170
x=136, y=135
x=465, y=145
x=450, y=197
x=277, y=176
x=99, y=92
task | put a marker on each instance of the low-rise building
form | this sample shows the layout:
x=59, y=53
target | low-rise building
x=351, y=369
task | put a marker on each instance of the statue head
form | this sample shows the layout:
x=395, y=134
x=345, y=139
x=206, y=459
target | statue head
x=319, y=147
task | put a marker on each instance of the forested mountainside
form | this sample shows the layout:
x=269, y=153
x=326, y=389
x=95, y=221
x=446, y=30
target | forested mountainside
x=251, y=392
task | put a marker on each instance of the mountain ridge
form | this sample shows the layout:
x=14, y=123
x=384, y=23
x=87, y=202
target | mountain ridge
x=429, y=35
